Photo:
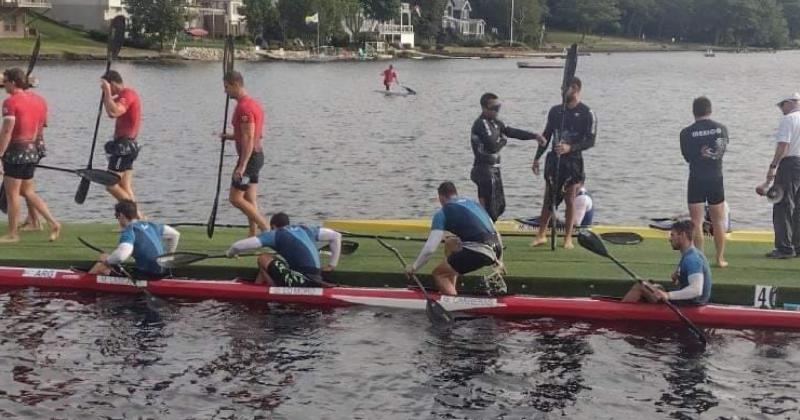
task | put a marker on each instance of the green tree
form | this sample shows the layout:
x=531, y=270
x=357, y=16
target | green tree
x=791, y=12
x=260, y=16
x=352, y=16
x=586, y=15
x=155, y=19
x=635, y=15
x=382, y=10
x=428, y=24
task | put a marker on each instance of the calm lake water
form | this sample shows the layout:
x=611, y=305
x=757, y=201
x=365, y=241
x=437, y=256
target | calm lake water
x=337, y=148
x=83, y=356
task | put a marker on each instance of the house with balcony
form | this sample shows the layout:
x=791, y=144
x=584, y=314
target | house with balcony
x=90, y=15
x=218, y=17
x=14, y=15
x=400, y=32
x=457, y=18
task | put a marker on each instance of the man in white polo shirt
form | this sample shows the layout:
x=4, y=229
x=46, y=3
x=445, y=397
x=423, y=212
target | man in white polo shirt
x=785, y=171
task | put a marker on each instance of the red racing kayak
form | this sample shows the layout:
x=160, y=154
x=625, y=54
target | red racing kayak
x=724, y=316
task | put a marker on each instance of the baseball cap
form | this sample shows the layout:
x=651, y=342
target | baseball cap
x=792, y=97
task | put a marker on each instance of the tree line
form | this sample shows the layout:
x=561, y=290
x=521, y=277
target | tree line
x=741, y=23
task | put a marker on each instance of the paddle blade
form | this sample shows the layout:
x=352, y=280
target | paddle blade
x=437, y=314
x=34, y=56
x=592, y=242
x=569, y=70
x=3, y=199
x=99, y=176
x=212, y=218
x=116, y=36
x=179, y=259
x=83, y=191
x=409, y=90
x=348, y=247
x=622, y=238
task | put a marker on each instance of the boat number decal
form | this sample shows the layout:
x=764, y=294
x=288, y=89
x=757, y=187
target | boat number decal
x=472, y=301
x=297, y=291
x=120, y=281
x=39, y=272
x=765, y=297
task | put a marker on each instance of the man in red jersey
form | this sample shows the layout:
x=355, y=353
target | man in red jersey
x=32, y=221
x=389, y=77
x=122, y=103
x=248, y=122
x=22, y=118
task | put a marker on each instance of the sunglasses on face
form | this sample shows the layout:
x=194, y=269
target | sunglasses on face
x=494, y=108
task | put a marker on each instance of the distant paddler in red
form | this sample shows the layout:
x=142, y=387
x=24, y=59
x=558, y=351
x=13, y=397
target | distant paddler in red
x=23, y=116
x=122, y=103
x=389, y=77
x=248, y=123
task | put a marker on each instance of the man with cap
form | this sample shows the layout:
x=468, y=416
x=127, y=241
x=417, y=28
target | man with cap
x=784, y=171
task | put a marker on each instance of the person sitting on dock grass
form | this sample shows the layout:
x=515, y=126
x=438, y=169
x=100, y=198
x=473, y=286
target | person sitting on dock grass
x=296, y=244
x=693, y=274
x=140, y=239
x=476, y=243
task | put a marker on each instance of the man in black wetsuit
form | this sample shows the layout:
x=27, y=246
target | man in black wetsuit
x=578, y=134
x=702, y=146
x=488, y=137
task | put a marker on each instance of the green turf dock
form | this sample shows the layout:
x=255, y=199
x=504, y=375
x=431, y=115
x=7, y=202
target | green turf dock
x=539, y=271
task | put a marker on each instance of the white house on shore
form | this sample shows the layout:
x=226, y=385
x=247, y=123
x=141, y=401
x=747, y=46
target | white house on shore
x=457, y=18
x=14, y=16
x=392, y=32
x=216, y=16
x=86, y=14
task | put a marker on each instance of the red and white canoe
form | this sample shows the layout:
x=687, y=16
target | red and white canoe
x=506, y=306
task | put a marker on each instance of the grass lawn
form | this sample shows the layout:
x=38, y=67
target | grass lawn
x=574, y=272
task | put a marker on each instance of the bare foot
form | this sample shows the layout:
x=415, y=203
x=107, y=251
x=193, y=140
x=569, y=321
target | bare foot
x=9, y=239
x=568, y=245
x=29, y=226
x=722, y=263
x=538, y=241
x=55, y=231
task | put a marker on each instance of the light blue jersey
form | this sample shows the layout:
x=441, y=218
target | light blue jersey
x=466, y=219
x=297, y=245
x=146, y=240
x=693, y=261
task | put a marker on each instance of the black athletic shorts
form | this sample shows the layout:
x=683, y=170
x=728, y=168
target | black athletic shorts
x=283, y=276
x=570, y=172
x=19, y=171
x=705, y=190
x=121, y=154
x=467, y=260
x=251, y=171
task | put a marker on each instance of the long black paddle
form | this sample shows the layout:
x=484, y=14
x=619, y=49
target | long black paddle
x=617, y=238
x=390, y=238
x=184, y=258
x=569, y=72
x=437, y=314
x=99, y=176
x=31, y=65
x=150, y=298
x=227, y=67
x=592, y=242
x=116, y=35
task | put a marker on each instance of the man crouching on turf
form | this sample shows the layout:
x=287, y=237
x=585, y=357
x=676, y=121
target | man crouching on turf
x=693, y=276
x=142, y=240
x=476, y=243
x=296, y=244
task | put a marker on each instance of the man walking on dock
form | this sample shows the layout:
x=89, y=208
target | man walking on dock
x=248, y=123
x=122, y=103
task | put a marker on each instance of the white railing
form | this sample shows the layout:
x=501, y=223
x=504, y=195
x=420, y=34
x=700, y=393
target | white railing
x=385, y=28
x=26, y=3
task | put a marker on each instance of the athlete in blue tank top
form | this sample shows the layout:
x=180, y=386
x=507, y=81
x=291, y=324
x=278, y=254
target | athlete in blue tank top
x=693, y=276
x=296, y=244
x=477, y=243
x=142, y=240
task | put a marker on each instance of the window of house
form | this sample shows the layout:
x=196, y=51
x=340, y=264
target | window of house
x=10, y=23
